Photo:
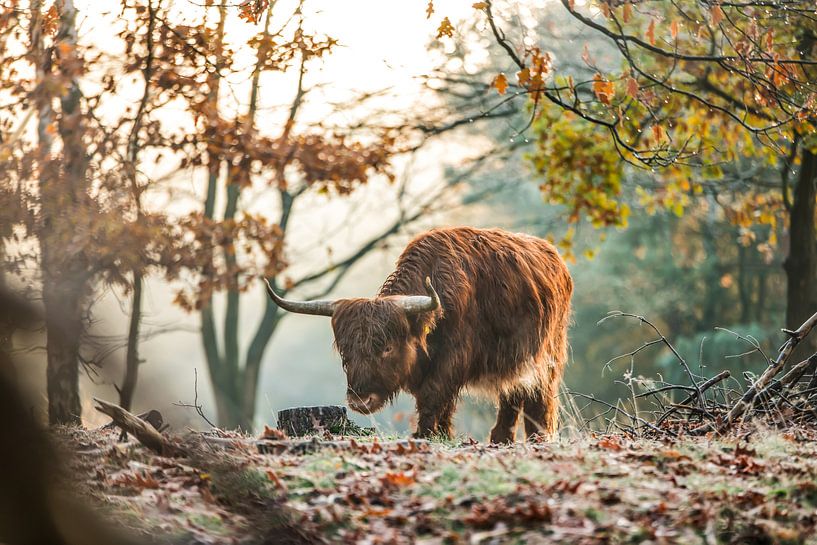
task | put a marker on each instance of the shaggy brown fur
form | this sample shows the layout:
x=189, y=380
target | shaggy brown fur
x=501, y=331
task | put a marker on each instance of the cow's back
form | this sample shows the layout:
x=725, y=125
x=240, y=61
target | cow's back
x=505, y=300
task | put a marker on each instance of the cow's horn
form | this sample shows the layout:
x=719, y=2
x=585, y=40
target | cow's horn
x=320, y=308
x=415, y=304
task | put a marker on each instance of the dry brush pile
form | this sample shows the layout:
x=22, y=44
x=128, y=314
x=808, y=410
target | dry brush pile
x=711, y=404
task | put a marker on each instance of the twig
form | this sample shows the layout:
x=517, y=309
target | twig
x=759, y=387
x=195, y=404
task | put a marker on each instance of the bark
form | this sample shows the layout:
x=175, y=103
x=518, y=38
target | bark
x=132, y=362
x=300, y=421
x=62, y=193
x=63, y=322
x=744, y=285
x=801, y=263
x=144, y=432
x=128, y=387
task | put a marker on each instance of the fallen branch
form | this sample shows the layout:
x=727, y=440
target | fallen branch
x=703, y=388
x=144, y=432
x=747, y=401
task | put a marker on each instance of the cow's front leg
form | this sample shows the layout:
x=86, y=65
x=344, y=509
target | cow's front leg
x=435, y=411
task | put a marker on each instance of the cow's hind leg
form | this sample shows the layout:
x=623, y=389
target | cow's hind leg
x=541, y=410
x=506, y=416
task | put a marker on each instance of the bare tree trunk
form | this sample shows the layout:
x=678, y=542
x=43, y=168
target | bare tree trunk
x=63, y=322
x=132, y=361
x=801, y=263
x=744, y=285
x=132, y=354
x=62, y=194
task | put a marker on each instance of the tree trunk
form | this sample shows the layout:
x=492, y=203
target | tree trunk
x=62, y=196
x=801, y=263
x=744, y=286
x=63, y=322
x=132, y=355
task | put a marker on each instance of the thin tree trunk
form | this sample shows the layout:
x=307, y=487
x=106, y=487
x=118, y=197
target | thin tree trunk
x=132, y=362
x=801, y=263
x=132, y=354
x=223, y=371
x=744, y=285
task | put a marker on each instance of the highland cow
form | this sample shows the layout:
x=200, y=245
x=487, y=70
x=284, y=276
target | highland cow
x=493, y=320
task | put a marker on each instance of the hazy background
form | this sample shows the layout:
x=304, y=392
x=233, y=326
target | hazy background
x=665, y=267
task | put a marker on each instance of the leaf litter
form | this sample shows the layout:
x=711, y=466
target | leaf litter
x=589, y=490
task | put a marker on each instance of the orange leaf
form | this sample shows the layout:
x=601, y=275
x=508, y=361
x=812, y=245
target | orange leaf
x=429, y=9
x=500, y=83
x=610, y=443
x=717, y=14
x=479, y=5
x=627, y=12
x=657, y=132
x=399, y=479
x=673, y=29
x=445, y=28
x=523, y=76
x=651, y=32
x=603, y=89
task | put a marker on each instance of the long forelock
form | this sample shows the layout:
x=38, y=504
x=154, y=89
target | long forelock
x=362, y=326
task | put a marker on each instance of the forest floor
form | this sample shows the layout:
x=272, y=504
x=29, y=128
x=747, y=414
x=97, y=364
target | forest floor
x=593, y=489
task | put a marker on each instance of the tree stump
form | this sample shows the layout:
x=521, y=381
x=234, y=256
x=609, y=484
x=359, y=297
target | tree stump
x=300, y=421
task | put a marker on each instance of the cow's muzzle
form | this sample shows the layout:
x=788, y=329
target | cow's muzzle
x=364, y=404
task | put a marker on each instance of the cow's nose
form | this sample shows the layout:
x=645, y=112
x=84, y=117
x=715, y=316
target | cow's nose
x=363, y=403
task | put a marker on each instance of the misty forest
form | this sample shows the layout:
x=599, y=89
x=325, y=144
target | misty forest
x=440, y=272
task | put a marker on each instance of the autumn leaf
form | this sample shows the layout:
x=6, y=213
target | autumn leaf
x=586, y=54
x=673, y=30
x=429, y=9
x=717, y=14
x=523, y=76
x=273, y=433
x=274, y=478
x=651, y=32
x=657, y=133
x=65, y=48
x=479, y=5
x=627, y=12
x=500, y=83
x=632, y=87
x=50, y=20
x=250, y=10
x=399, y=478
x=611, y=442
x=603, y=89
x=445, y=28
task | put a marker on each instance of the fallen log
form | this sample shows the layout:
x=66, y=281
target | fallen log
x=144, y=432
